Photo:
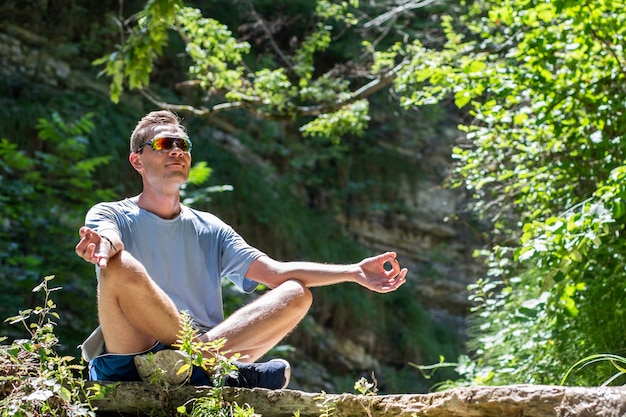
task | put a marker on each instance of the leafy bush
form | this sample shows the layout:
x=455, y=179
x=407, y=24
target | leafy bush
x=45, y=196
x=34, y=379
x=542, y=83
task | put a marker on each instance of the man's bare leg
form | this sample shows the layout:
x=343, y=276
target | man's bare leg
x=257, y=327
x=134, y=313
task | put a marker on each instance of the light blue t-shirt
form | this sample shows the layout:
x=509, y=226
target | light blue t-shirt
x=187, y=256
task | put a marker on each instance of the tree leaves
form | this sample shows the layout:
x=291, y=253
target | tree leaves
x=543, y=84
x=220, y=67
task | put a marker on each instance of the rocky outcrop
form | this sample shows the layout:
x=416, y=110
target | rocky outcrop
x=504, y=401
x=23, y=52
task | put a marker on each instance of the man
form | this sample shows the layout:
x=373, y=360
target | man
x=156, y=257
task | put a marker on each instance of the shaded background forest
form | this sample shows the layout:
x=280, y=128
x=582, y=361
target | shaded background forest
x=65, y=147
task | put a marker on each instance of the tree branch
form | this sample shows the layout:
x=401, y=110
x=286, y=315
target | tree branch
x=270, y=36
x=410, y=5
x=298, y=111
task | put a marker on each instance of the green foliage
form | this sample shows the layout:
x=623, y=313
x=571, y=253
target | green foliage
x=326, y=405
x=617, y=363
x=349, y=119
x=132, y=62
x=216, y=364
x=217, y=66
x=216, y=55
x=34, y=379
x=543, y=84
x=44, y=199
x=198, y=175
x=366, y=388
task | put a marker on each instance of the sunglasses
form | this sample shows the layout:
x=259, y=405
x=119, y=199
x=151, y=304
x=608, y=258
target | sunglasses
x=166, y=143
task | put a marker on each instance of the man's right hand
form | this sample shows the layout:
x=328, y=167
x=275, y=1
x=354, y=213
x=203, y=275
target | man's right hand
x=93, y=248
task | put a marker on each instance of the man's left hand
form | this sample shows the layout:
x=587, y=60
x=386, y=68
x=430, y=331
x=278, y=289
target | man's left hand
x=377, y=278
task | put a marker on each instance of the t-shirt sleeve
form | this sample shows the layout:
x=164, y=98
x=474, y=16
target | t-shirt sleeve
x=237, y=256
x=103, y=217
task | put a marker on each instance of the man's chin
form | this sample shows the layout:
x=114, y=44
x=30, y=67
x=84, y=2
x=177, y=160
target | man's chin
x=181, y=177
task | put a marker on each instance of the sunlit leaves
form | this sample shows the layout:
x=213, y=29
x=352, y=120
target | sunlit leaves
x=352, y=118
x=303, y=60
x=133, y=61
x=337, y=10
x=543, y=84
x=217, y=56
x=219, y=68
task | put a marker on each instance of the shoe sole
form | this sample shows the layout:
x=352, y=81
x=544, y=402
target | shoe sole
x=287, y=371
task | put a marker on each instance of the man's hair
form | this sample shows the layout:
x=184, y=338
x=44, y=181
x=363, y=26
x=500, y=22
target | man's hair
x=144, y=130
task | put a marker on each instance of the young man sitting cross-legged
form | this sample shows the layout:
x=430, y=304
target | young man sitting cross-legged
x=156, y=257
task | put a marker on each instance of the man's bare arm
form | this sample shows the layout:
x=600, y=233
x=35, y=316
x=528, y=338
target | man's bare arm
x=371, y=273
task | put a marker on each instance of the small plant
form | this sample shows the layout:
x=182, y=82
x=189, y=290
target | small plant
x=34, y=380
x=367, y=389
x=364, y=387
x=326, y=406
x=218, y=365
x=618, y=363
x=464, y=367
x=212, y=406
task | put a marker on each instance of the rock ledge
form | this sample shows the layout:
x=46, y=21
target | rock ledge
x=505, y=401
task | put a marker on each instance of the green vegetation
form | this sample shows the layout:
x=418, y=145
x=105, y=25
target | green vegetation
x=542, y=83
x=44, y=197
x=616, y=363
x=34, y=379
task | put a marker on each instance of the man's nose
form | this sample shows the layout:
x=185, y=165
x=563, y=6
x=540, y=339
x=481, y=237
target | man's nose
x=175, y=149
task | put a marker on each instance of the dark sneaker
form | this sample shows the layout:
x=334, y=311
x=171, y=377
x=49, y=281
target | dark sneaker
x=274, y=374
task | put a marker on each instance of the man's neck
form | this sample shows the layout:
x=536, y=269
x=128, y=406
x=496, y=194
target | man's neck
x=166, y=206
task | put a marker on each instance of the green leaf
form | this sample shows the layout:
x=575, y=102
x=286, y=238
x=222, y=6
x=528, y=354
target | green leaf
x=474, y=66
x=65, y=394
x=461, y=98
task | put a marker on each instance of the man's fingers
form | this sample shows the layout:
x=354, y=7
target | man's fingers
x=102, y=262
x=89, y=247
x=390, y=258
x=395, y=265
x=397, y=280
x=85, y=232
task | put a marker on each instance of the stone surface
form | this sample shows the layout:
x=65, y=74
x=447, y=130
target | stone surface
x=504, y=401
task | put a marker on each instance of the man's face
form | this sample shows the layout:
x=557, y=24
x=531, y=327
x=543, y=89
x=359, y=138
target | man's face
x=163, y=169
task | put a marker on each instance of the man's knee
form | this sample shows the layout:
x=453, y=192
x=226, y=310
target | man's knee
x=123, y=270
x=297, y=294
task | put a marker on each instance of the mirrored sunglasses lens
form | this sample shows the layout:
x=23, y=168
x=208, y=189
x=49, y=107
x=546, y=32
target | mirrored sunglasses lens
x=184, y=145
x=166, y=144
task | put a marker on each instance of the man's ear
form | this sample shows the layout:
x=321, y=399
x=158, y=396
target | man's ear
x=135, y=161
